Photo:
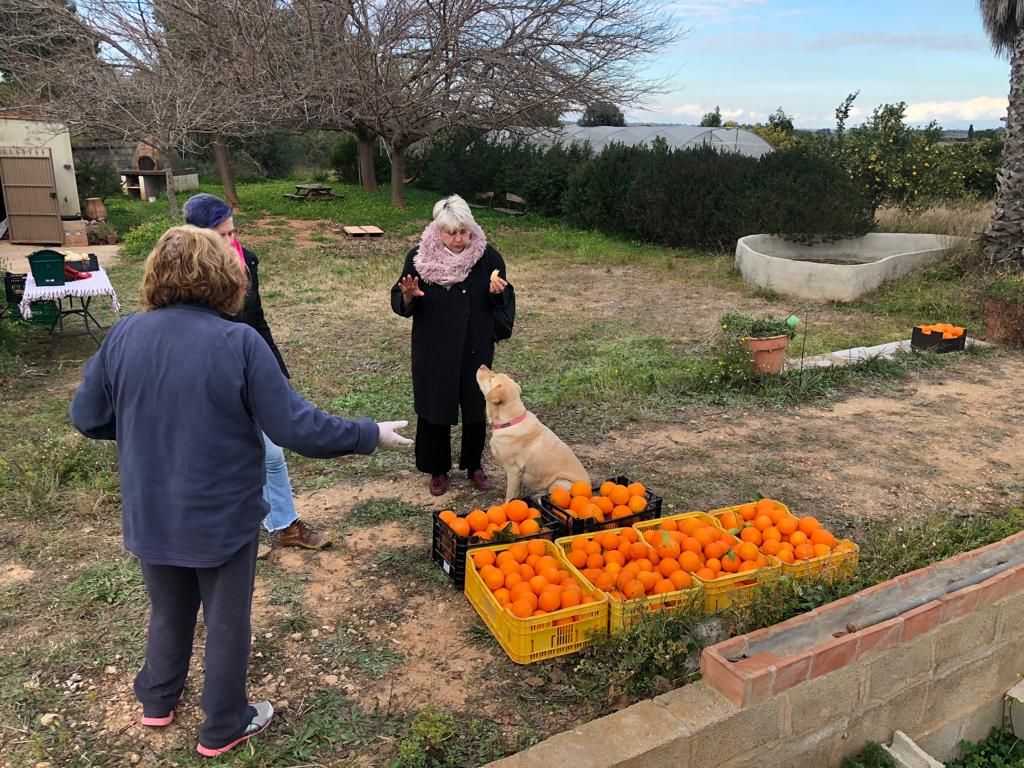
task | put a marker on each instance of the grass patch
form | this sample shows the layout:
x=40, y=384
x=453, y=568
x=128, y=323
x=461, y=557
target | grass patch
x=872, y=756
x=108, y=583
x=375, y=512
x=348, y=647
x=1000, y=749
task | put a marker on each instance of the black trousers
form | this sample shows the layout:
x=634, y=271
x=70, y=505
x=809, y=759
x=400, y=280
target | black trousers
x=175, y=594
x=434, y=447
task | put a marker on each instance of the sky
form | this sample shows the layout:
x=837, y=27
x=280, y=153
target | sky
x=750, y=57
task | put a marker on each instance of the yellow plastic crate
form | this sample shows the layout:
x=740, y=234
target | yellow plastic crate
x=838, y=566
x=537, y=638
x=622, y=614
x=735, y=589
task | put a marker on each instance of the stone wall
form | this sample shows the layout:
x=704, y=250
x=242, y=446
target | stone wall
x=938, y=672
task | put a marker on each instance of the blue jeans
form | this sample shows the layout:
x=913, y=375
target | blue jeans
x=277, y=490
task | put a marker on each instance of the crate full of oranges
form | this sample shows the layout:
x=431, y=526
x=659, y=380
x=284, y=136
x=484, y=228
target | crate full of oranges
x=535, y=607
x=804, y=547
x=729, y=571
x=616, y=503
x=456, y=534
x=638, y=577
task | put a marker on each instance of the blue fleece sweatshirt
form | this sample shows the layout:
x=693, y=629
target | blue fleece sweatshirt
x=185, y=393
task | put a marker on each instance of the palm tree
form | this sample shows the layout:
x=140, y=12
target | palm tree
x=1004, y=239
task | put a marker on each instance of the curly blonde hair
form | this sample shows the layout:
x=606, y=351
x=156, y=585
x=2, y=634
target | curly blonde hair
x=190, y=265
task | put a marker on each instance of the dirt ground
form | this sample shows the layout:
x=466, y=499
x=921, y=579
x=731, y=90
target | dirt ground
x=955, y=444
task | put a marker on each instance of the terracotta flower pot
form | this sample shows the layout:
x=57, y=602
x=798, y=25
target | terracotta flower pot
x=1004, y=323
x=94, y=209
x=769, y=354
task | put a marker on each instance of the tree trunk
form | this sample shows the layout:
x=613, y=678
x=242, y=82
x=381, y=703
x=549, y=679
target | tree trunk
x=172, y=200
x=220, y=153
x=367, y=172
x=397, y=176
x=1004, y=239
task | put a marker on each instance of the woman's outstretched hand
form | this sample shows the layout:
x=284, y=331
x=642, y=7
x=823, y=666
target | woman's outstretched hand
x=497, y=284
x=410, y=287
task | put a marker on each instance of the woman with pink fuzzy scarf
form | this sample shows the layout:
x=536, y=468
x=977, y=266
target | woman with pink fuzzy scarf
x=454, y=288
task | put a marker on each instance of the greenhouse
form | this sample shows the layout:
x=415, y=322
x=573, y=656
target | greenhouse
x=678, y=137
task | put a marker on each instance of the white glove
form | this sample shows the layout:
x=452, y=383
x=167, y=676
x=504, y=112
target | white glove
x=389, y=438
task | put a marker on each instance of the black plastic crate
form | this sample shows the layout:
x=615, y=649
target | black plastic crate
x=14, y=287
x=449, y=550
x=574, y=525
x=933, y=342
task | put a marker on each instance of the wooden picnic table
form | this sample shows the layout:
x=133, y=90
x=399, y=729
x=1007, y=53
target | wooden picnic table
x=313, y=192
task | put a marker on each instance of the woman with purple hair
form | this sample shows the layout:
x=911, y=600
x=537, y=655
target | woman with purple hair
x=283, y=523
x=454, y=288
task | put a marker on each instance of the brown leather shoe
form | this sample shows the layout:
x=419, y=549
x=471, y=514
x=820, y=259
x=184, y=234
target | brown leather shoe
x=480, y=480
x=298, y=534
x=438, y=484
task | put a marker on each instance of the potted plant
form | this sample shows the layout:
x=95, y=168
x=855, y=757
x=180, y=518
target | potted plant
x=1004, y=311
x=766, y=337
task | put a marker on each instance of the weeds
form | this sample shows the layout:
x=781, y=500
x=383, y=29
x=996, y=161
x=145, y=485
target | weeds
x=376, y=512
x=872, y=756
x=1000, y=749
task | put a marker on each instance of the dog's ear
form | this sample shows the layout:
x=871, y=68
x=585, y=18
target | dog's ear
x=496, y=394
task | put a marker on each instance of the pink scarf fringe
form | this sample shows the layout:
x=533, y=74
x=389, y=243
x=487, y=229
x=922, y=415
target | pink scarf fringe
x=437, y=265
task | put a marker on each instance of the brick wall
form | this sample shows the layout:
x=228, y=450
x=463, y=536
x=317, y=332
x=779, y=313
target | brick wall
x=937, y=672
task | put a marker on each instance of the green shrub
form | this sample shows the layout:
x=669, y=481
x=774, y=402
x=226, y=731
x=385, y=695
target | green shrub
x=96, y=180
x=140, y=240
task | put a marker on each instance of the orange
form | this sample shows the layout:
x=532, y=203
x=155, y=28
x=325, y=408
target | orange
x=638, y=550
x=821, y=536
x=578, y=558
x=578, y=543
x=579, y=504
x=663, y=586
x=614, y=557
x=629, y=535
x=581, y=489
x=681, y=579
x=772, y=534
x=796, y=538
x=549, y=600
x=753, y=535
x=668, y=566
x=482, y=558
x=748, y=565
x=620, y=511
x=502, y=596
x=820, y=550
x=633, y=589
x=535, y=547
x=521, y=609
x=731, y=562
x=608, y=540
x=771, y=547
x=519, y=551
x=461, y=526
x=493, y=578
x=497, y=515
x=785, y=555
x=689, y=525
x=715, y=549
x=448, y=516
x=604, y=504
x=809, y=525
x=764, y=506
x=804, y=551
x=606, y=487
x=595, y=561
x=648, y=579
x=706, y=574
x=669, y=525
x=705, y=535
x=787, y=524
x=517, y=510
x=546, y=562
x=520, y=589
x=560, y=497
x=511, y=579
x=529, y=527
x=713, y=564
x=637, y=503
x=747, y=551
x=605, y=581
x=748, y=511
x=508, y=566
x=729, y=521
x=477, y=519
x=636, y=489
x=571, y=597
x=553, y=575
x=527, y=572
x=762, y=522
x=537, y=584
x=689, y=561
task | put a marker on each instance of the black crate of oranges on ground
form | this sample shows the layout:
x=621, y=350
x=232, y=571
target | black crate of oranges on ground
x=456, y=534
x=616, y=503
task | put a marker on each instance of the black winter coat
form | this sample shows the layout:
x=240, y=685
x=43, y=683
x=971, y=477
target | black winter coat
x=252, y=311
x=453, y=333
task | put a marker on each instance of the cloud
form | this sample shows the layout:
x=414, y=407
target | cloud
x=694, y=111
x=714, y=11
x=922, y=40
x=976, y=108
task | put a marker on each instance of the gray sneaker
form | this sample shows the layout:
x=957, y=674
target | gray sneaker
x=262, y=711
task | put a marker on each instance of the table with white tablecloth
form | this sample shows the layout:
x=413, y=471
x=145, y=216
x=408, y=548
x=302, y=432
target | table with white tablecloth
x=82, y=291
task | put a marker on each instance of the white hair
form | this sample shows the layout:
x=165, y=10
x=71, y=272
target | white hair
x=452, y=214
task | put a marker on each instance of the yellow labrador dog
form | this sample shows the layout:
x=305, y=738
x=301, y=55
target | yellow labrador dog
x=533, y=457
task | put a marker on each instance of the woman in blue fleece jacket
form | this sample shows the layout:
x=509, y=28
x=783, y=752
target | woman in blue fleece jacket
x=187, y=395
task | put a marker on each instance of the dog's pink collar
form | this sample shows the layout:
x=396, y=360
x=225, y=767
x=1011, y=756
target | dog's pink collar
x=521, y=417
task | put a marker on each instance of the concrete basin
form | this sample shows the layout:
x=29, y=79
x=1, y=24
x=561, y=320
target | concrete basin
x=842, y=270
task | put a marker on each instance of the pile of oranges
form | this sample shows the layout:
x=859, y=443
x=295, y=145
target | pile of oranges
x=527, y=582
x=515, y=517
x=620, y=563
x=769, y=526
x=612, y=501
x=948, y=331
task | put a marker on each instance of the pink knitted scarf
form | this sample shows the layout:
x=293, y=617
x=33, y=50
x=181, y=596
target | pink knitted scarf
x=437, y=265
